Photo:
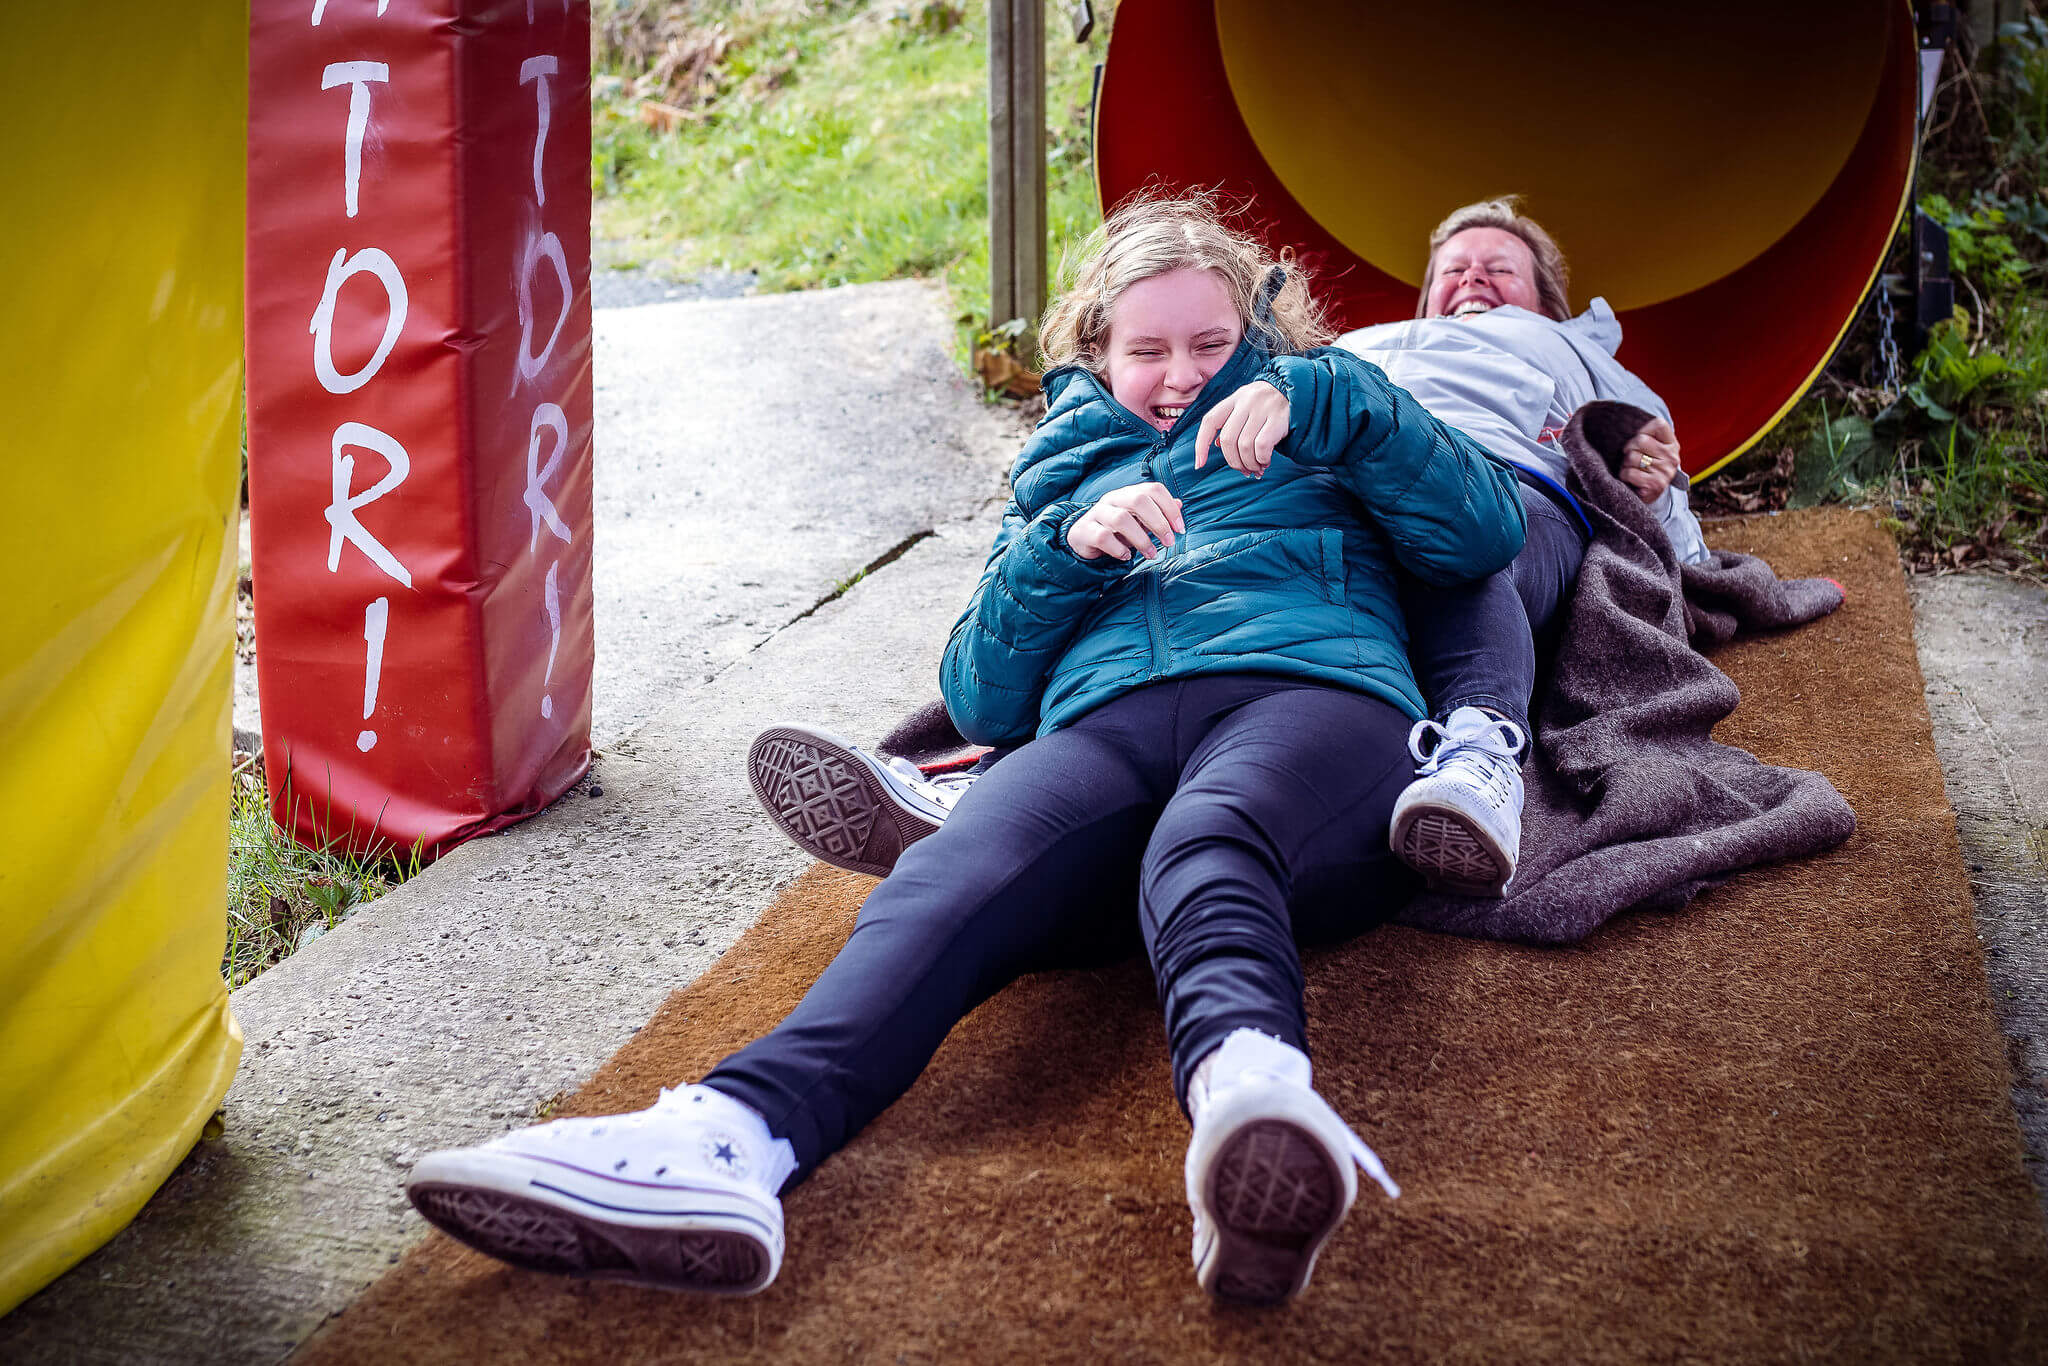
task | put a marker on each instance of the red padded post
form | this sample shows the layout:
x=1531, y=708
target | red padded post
x=419, y=379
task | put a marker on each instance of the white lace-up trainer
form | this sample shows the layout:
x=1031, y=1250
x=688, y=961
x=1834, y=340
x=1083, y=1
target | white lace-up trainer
x=680, y=1196
x=1269, y=1170
x=843, y=806
x=1459, y=823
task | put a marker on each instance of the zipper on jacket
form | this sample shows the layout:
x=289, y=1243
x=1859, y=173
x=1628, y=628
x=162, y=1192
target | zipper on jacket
x=1155, y=617
x=1155, y=606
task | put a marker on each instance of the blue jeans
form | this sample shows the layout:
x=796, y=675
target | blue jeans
x=1237, y=814
x=1475, y=644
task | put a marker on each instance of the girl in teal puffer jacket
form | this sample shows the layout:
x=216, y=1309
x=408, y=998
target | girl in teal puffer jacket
x=1190, y=613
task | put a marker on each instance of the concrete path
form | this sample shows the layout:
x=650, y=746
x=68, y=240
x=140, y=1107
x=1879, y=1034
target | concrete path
x=1984, y=655
x=753, y=456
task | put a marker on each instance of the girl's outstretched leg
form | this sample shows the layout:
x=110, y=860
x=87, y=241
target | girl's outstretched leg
x=1036, y=871
x=1278, y=832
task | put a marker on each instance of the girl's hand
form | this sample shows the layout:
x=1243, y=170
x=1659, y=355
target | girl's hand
x=1649, y=462
x=1127, y=519
x=1245, y=426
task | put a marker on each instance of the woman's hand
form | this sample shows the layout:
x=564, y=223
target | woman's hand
x=1649, y=462
x=1245, y=426
x=1127, y=519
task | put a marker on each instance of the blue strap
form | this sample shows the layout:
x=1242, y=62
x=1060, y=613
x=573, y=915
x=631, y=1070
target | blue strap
x=1558, y=494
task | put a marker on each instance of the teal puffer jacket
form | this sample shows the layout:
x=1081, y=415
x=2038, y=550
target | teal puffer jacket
x=1291, y=574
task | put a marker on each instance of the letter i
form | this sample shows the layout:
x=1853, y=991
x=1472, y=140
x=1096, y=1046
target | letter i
x=551, y=599
x=375, y=616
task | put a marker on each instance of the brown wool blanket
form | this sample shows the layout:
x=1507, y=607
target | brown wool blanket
x=1631, y=803
x=1774, y=1128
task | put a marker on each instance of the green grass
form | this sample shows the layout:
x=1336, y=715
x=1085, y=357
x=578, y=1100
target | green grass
x=281, y=895
x=828, y=144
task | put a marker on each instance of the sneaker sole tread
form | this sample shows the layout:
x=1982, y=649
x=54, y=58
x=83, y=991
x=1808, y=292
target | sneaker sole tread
x=1275, y=1196
x=1451, y=852
x=538, y=1236
x=828, y=802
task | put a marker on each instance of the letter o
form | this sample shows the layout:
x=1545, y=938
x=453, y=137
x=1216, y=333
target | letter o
x=374, y=262
x=550, y=246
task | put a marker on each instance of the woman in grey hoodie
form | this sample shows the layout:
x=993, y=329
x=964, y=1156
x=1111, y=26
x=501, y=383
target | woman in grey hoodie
x=1495, y=351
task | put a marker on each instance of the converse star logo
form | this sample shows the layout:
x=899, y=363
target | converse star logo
x=724, y=1153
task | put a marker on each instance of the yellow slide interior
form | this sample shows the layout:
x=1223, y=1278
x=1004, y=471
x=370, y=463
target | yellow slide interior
x=1668, y=145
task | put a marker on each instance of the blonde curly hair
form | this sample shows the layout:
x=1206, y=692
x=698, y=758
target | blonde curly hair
x=1155, y=232
x=1553, y=276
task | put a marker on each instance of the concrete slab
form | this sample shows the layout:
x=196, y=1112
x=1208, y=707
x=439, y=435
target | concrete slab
x=627, y=288
x=767, y=450
x=1984, y=655
x=756, y=454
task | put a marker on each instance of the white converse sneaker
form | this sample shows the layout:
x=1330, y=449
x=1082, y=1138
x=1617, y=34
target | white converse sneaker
x=840, y=804
x=1269, y=1170
x=680, y=1196
x=1459, y=823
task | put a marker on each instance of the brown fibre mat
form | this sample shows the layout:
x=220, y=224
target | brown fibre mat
x=1772, y=1127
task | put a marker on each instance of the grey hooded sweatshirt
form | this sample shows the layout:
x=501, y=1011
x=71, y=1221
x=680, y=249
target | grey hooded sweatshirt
x=1502, y=377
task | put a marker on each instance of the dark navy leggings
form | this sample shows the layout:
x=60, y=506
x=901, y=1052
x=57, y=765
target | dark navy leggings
x=1476, y=644
x=1238, y=814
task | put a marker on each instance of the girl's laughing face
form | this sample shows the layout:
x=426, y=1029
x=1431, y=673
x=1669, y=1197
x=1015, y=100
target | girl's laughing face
x=1167, y=336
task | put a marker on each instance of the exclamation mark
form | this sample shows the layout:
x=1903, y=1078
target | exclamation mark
x=551, y=598
x=374, y=618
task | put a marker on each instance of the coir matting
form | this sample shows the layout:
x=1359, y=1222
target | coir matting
x=1774, y=1126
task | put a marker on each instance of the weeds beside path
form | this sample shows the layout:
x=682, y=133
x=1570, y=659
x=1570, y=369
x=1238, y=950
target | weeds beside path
x=281, y=895
x=1950, y=449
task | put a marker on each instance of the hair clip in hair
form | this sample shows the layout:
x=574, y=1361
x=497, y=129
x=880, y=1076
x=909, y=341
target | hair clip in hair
x=1269, y=290
x=1266, y=333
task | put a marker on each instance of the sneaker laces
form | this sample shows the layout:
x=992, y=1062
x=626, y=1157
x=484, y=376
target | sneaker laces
x=1369, y=1162
x=1366, y=1159
x=945, y=789
x=1493, y=749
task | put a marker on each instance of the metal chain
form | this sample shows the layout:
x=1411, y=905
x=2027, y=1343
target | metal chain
x=1887, y=346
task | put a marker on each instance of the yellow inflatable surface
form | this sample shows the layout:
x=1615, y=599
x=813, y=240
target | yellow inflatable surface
x=121, y=154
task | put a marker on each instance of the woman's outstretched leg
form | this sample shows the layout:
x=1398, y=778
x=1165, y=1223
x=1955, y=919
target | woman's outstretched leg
x=1474, y=648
